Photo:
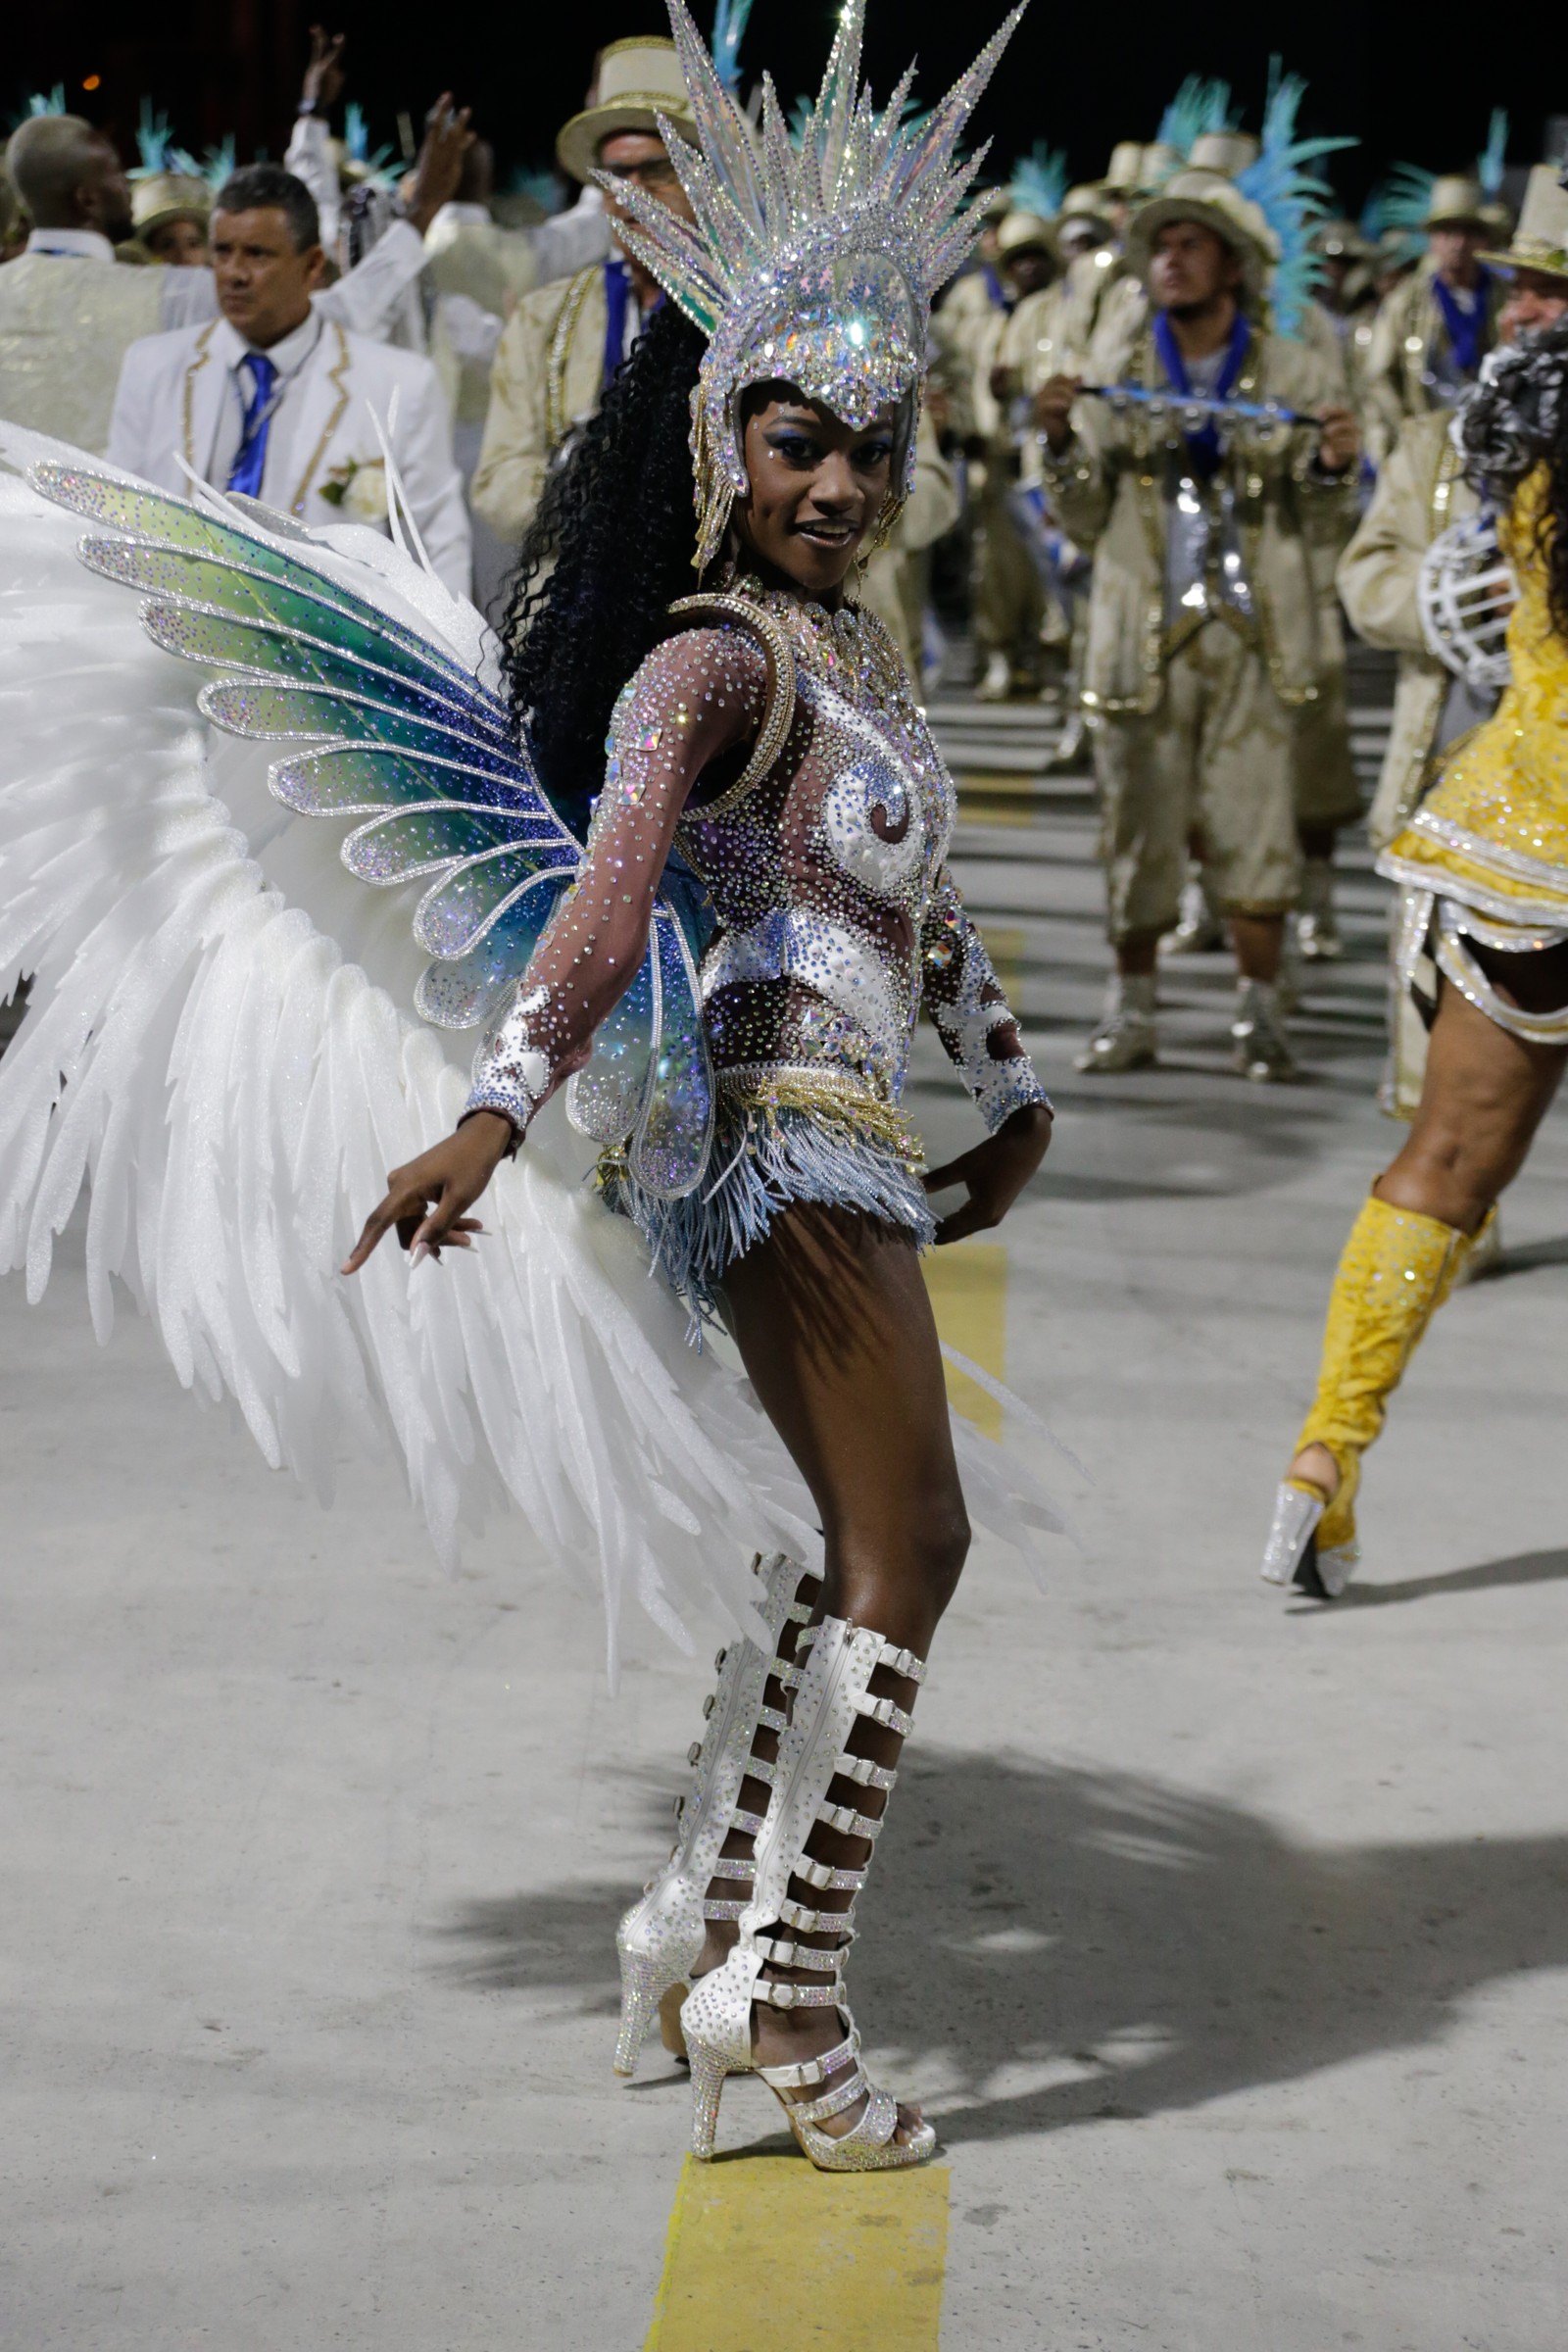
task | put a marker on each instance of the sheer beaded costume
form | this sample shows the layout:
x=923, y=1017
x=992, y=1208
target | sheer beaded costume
x=830, y=910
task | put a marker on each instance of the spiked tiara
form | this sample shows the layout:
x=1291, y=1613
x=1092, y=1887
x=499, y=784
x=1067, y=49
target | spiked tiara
x=812, y=262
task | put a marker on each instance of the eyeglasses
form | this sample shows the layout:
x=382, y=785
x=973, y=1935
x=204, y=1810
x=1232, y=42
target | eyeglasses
x=658, y=172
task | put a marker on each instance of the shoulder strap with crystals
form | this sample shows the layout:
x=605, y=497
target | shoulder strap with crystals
x=778, y=714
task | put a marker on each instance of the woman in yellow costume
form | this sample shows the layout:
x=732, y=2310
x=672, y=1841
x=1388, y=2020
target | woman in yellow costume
x=1483, y=947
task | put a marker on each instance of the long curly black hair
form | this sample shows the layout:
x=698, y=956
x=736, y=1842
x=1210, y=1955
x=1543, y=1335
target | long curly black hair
x=1516, y=420
x=609, y=549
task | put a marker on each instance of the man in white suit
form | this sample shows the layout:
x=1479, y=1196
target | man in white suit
x=68, y=312
x=274, y=401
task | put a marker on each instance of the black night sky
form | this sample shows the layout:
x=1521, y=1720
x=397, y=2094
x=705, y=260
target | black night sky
x=1079, y=77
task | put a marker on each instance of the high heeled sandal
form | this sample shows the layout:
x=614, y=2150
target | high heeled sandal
x=660, y=1937
x=717, y=2015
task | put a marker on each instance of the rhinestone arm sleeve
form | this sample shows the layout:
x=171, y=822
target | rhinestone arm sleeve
x=699, y=696
x=972, y=1016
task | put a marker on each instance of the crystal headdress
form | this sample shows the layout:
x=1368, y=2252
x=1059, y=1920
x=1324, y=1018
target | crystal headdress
x=812, y=263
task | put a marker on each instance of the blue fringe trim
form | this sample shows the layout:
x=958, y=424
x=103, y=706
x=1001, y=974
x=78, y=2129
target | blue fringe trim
x=767, y=1163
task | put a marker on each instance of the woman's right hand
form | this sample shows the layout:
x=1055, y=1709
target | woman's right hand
x=451, y=1175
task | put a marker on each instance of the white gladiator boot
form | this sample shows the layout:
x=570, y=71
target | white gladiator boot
x=662, y=1936
x=716, y=2018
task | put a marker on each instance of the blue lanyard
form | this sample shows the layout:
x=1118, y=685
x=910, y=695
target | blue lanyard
x=1203, y=446
x=618, y=293
x=1464, y=327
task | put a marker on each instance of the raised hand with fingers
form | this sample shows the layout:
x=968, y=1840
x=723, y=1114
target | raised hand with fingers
x=428, y=1200
x=994, y=1173
x=324, y=75
x=434, y=180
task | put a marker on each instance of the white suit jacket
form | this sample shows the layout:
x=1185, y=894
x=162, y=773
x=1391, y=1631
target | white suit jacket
x=323, y=460
x=68, y=312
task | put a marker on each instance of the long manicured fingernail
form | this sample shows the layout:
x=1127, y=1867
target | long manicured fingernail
x=420, y=1249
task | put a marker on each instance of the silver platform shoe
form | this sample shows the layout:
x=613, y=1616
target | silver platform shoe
x=660, y=1937
x=1292, y=1556
x=1125, y=1037
x=1262, y=1048
x=1200, y=925
x=1317, y=929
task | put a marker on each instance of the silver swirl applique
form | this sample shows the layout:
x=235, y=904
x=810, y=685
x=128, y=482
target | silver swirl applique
x=886, y=866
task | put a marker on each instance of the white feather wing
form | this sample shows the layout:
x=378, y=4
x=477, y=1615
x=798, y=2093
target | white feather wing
x=218, y=1047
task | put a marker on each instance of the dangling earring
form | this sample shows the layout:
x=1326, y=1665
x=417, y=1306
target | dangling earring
x=715, y=491
x=881, y=536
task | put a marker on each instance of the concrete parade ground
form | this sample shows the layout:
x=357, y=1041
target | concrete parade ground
x=1225, y=1935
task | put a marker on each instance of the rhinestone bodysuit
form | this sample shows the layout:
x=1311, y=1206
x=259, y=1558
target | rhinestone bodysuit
x=775, y=749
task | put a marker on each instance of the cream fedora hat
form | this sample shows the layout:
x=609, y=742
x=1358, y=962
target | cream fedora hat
x=638, y=81
x=1229, y=151
x=1455, y=199
x=1215, y=203
x=165, y=196
x=1540, y=240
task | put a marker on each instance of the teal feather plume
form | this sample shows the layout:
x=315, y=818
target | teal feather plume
x=41, y=102
x=537, y=182
x=218, y=163
x=1199, y=105
x=1494, y=159
x=1039, y=180
x=154, y=147
x=373, y=168
x=1406, y=196
x=1290, y=197
x=729, y=30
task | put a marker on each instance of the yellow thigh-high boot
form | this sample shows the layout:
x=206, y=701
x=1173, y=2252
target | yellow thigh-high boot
x=1397, y=1268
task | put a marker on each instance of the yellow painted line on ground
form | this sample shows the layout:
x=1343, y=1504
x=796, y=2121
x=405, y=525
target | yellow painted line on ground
x=1005, y=946
x=996, y=800
x=968, y=1286
x=764, y=2252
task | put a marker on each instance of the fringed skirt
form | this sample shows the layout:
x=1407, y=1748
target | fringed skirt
x=780, y=1137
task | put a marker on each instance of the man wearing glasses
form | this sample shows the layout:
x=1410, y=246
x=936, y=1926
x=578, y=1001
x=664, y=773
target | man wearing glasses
x=564, y=341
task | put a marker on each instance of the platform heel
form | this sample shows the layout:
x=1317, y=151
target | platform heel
x=660, y=1939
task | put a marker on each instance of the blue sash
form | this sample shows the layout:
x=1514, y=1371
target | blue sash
x=1465, y=328
x=1203, y=448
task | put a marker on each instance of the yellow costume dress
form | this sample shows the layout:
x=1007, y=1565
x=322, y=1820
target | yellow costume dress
x=1484, y=860
x=1484, y=856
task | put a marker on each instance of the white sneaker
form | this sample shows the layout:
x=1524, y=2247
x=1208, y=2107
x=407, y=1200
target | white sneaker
x=1263, y=1050
x=1201, y=928
x=1125, y=1037
x=1317, y=930
x=997, y=684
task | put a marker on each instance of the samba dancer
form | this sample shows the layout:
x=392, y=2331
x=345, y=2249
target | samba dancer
x=765, y=734
x=1482, y=864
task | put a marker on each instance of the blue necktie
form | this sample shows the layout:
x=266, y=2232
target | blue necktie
x=250, y=463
